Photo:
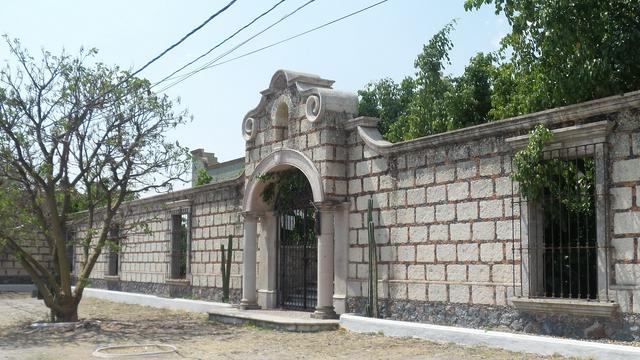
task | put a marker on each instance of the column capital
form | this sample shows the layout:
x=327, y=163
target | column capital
x=250, y=215
x=327, y=205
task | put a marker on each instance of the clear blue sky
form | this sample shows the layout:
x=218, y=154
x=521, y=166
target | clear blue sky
x=382, y=42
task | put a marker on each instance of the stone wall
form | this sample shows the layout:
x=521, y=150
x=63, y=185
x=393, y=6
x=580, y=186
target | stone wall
x=11, y=271
x=447, y=226
x=624, y=204
x=447, y=223
x=444, y=222
x=145, y=254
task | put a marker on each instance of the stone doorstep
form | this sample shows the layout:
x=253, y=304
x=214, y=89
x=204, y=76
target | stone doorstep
x=542, y=345
x=294, y=321
x=566, y=306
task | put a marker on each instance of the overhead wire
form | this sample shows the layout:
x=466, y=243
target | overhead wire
x=220, y=43
x=245, y=41
x=215, y=63
x=157, y=57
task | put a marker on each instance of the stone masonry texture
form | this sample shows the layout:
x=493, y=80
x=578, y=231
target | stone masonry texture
x=446, y=220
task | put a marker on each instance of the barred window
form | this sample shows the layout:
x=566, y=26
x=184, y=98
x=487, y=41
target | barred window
x=180, y=236
x=113, y=254
x=563, y=249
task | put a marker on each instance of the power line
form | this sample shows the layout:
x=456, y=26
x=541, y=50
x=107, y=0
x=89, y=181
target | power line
x=242, y=43
x=214, y=64
x=184, y=38
x=156, y=58
x=220, y=43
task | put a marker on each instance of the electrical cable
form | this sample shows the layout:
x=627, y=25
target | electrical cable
x=242, y=43
x=220, y=43
x=215, y=63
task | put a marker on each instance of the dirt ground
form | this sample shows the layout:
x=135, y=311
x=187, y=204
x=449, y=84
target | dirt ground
x=109, y=323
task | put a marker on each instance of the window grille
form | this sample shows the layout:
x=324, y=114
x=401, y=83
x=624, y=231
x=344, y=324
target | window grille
x=563, y=252
x=180, y=242
x=113, y=255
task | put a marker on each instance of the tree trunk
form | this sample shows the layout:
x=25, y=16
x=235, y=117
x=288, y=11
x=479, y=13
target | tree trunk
x=68, y=310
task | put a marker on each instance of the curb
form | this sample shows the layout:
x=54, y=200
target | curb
x=155, y=301
x=508, y=341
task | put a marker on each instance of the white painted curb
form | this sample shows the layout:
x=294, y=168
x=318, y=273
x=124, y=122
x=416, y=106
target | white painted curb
x=17, y=287
x=155, y=301
x=513, y=342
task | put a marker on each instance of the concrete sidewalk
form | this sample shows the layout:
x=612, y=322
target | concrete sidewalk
x=221, y=312
x=514, y=342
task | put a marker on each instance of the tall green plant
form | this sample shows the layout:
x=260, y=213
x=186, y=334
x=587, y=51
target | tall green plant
x=226, y=268
x=372, y=306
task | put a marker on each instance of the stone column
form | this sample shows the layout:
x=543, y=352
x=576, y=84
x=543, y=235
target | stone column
x=249, y=297
x=324, y=308
x=341, y=258
x=267, y=295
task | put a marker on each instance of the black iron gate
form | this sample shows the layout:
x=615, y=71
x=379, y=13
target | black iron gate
x=298, y=260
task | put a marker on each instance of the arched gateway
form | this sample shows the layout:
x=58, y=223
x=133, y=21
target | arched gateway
x=297, y=125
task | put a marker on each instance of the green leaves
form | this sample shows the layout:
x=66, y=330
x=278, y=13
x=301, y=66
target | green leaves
x=557, y=53
x=529, y=169
x=203, y=177
x=568, y=181
x=286, y=189
x=431, y=103
x=565, y=52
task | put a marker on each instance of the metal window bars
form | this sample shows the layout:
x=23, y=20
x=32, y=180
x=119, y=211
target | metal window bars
x=113, y=255
x=180, y=236
x=562, y=253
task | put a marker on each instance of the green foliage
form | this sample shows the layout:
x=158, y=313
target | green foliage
x=565, y=52
x=529, y=169
x=203, y=177
x=76, y=134
x=386, y=100
x=557, y=53
x=285, y=190
x=431, y=103
x=568, y=181
x=226, y=268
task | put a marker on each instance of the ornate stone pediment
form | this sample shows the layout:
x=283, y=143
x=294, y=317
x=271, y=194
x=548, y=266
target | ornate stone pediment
x=295, y=96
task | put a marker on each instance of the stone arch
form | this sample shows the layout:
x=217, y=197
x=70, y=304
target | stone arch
x=280, y=160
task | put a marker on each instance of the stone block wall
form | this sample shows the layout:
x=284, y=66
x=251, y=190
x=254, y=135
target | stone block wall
x=624, y=210
x=145, y=254
x=448, y=228
x=444, y=222
x=11, y=272
x=322, y=141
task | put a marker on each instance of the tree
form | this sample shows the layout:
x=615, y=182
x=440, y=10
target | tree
x=557, y=53
x=431, y=102
x=69, y=126
x=564, y=52
x=203, y=177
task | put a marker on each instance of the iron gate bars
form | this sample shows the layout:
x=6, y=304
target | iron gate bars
x=298, y=260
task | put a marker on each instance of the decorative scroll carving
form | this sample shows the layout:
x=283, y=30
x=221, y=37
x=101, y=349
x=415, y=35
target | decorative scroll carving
x=312, y=108
x=321, y=100
x=249, y=128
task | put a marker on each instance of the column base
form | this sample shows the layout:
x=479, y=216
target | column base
x=246, y=305
x=324, y=312
x=267, y=299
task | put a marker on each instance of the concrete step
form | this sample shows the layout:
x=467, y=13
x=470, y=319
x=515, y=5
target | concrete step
x=295, y=321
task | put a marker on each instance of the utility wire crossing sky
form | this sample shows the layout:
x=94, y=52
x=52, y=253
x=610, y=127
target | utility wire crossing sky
x=350, y=42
